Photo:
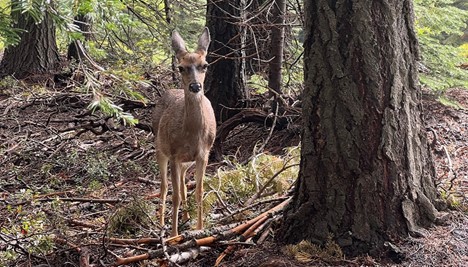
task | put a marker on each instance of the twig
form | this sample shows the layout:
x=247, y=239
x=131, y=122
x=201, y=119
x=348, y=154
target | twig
x=77, y=199
x=259, y=192
x=164, y=248
x=52, y=194
x=62, y=241
x=84, y=257
x=135, y=241
x=265, y=201
x=270, y=134
x=247, y=234
x=145, y=180
x=220, y=199
x=451, y=172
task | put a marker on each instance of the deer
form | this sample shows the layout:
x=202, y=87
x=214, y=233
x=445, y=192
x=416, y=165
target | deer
x=184, y=127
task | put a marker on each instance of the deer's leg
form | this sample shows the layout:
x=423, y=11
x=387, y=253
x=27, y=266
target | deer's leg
x=162, y=162
x=175, y=178
x=199, y=175
x=183, y=191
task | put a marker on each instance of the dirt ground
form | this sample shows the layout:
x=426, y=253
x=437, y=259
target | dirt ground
x=69, y=178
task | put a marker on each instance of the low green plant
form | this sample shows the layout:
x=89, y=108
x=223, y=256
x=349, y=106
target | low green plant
x=258, y=83
x=131, y=218
x=305, y=251
x=439, y=26
x=449, y=102
x=238, y=182
x=28, y=230
x=108, y=107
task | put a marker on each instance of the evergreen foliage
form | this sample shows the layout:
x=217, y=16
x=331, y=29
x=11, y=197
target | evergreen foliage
x=440, y=26
x=132, y=36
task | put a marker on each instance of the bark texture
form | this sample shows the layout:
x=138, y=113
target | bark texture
x=75, y=50
x=366, y=174
x=37, y=51
x=225, y=82
x=277, y=45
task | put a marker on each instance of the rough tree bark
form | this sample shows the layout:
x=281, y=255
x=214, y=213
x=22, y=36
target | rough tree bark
x=37, y=51
x=366, y=173
x=75, y=50
x=225, y=85
x=276, y=45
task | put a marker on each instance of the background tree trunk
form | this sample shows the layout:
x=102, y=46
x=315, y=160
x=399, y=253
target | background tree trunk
x=257, y=48
x=75, y=50
x=276, y=45
x=366, y=172
x=37, y=50
x=225, y=82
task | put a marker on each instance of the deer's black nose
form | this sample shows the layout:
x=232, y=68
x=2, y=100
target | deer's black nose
x=195, y=87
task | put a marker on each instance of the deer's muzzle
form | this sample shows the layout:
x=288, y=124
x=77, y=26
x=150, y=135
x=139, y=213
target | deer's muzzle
x=195, y=87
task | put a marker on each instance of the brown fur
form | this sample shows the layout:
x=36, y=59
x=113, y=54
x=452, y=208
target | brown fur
x=185, y=127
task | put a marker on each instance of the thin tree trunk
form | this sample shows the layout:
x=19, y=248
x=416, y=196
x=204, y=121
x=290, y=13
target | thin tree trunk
x=168, y=16
x=225, y=81
x=366, y=174
x=276, y=45
x=257, y=46
x=74, y=48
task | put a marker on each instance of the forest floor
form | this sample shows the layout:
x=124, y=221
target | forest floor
x=78, y=189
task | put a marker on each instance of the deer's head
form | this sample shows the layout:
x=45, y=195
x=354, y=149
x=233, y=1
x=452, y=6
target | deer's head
x=192, y=66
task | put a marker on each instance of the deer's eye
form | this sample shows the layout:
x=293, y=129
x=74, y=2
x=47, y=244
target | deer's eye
x=181, y=69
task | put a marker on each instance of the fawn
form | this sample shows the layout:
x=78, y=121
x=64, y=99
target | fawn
x=184, y=126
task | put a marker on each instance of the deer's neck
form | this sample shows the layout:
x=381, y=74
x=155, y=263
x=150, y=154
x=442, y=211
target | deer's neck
x=194, y=113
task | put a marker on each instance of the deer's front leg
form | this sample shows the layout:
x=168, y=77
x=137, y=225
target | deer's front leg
x=199, y=175
x=175, y=178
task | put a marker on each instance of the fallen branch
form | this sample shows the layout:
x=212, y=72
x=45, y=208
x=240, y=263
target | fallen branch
x=238, y=211
x=62, y=241
x=246, y=235
x=239, y=229
x=246, y=229
x=185, y=256
x=134, y=241
x=73, y=199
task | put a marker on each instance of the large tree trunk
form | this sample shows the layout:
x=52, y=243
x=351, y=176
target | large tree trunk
x=224, y=82
x=37, y=51
x=366, y=173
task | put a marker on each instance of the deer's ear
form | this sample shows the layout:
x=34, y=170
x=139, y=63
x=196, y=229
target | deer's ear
x=204, y=42
x=178, y=45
